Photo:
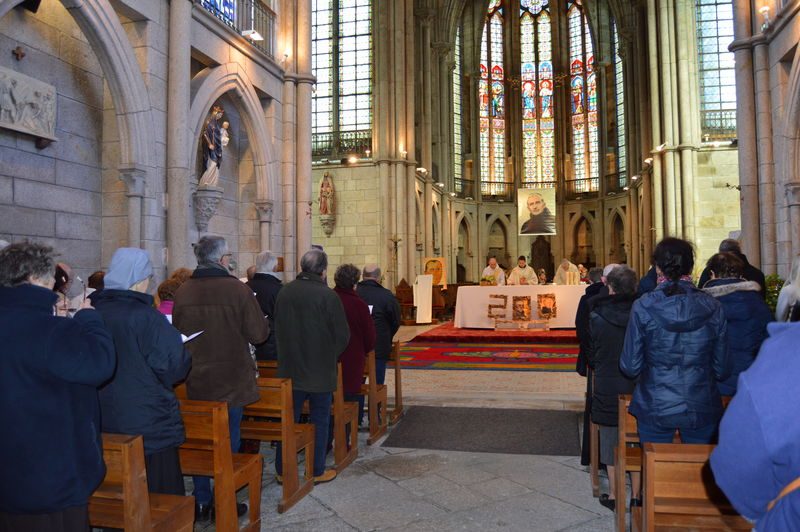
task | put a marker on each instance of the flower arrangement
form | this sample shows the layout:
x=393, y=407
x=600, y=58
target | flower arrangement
x=774, y=285
x=488, y=280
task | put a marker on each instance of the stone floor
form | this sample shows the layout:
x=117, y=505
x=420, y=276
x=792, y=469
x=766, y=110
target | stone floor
x=410, y=490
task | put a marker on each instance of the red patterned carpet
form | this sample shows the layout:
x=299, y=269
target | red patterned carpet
x=489, y=356
x=448, y=333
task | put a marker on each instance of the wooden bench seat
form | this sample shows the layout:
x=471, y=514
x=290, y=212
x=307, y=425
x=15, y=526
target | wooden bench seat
x=271, y=418
x=376, y=395
x=122, y=500
x=394, y=359
x=207, y=452
x=679, y=490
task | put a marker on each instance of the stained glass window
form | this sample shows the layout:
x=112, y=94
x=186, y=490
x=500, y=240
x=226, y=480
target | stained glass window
x=342, y=64
x=583, y=101
x=457, y=139
x=619, y=93
x=536, y=78
x=492, y=108
x=716, y=66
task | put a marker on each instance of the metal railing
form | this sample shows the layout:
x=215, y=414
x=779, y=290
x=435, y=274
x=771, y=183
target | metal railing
x=616, y=183
x=581, y=188
x=338, y=144
x=464, y=188
x=252, y=19
x=718, y=125
x=494, y=190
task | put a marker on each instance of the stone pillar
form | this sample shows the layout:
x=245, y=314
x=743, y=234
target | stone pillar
x=291, y=261
x=793, y=202
x=427, y=216
x=135, y=184
x=407, y=90
x=305, y=80
x=425, y=21
x=656, y=183
x=264, y=209
x=686, y=33
x=746, y=131
x=178, y=139
x=766, y=161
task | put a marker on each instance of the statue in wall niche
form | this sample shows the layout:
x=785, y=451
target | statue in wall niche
x=215, y=138
x=327, y=195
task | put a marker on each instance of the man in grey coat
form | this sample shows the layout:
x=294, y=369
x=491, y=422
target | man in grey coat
x=311, y=332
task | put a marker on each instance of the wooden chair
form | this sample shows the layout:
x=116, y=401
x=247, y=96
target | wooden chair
x=627, y=456
x=594, y=448
x=122, y=500
x=394, y=358
x=207, y=452
x=679, y=491
x=344, y=413
x=376, y=395
x=273, y=415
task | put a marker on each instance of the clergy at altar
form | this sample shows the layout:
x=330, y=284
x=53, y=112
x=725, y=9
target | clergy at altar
x=561, y=273
x=493, y=270
x=522, y=273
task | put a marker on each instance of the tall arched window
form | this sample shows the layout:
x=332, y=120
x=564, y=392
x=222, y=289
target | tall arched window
x=619, y=93
x=716, y=65
x=458, y=145
x=341, y=52
x=536, y=75
x=583, y=109
x=492, y=108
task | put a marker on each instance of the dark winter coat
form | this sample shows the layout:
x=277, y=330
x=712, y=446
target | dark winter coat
x=151, y=359
x=362, y=340
x=648, y=283
x=678, y=347
x=607, y=324
x=582, y=325
x=751, y=273
x=227, y=312
x=759, y=436
x=747, y=315
x=50, y=368
x=266, y=288
x=311, y=332
x=385, y=314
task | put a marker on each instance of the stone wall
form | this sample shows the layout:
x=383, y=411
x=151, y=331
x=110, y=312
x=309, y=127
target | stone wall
x=355, y=236
x=53, y=195
x=717, y=211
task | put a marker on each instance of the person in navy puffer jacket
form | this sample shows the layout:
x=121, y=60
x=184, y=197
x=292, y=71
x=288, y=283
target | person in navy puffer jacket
x=758, y=456
x=745, y=311
x=677, y=344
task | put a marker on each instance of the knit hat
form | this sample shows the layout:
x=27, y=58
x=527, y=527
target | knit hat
x=128, y=267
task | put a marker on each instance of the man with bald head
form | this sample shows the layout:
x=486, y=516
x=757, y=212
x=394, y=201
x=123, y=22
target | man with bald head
x=385, y=312
x=541, y=221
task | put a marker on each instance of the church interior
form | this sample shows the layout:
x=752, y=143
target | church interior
x=394, y=133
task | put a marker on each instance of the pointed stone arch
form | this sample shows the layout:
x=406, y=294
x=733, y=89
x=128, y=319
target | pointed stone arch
x=209, y=85
x=790, y=162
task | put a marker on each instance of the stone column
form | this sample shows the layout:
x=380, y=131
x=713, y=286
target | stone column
x=746, y=131
x=685, y=29
x=305, y=80
x=793, y=202
x=264, y=209
x=766, y=161
x=408, y=124
x=427, y=205
x=425, y=18
x=656, y=183
x=288, y=171
x=178, y=139
x=135, y=180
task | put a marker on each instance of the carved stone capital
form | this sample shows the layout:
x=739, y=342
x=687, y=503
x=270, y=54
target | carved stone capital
x=206, y=201
x=328, y=222
x=793, y=194
x=135, y=180
x=264, y=209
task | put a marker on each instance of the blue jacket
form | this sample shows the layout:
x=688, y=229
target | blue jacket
x=759, y=437
x=747, y=315
x=50, y=369
x=678, y=347
x=140, y=399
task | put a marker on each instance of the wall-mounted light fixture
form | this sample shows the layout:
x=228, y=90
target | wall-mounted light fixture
x=452, y=194
x=764, y=10
x=661, y=147
x=648, y=161
x=635, y=177
x=422, y=171
x=367, y=153
x=252, y=34
x=440, y=185
x=352, y=159
x=403, y=154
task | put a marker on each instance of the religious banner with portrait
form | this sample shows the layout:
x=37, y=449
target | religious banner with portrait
x=536, y=208
x=436, y=267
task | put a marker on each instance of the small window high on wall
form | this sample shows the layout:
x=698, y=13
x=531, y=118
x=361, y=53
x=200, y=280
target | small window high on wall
x=342, y=64
x=716, y=67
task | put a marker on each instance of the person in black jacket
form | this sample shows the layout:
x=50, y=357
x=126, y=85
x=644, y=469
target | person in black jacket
x=139, y=399
x=749, y=273
x=677, y=344
x=607, y=324
x=385, y=312
x=746, y=313
x=266, y=285
x=50, y=369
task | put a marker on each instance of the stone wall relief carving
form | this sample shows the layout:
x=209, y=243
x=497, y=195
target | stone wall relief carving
x=28, y=106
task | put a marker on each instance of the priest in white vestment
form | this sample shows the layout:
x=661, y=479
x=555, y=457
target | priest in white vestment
x=495, y=271
x=522, y=273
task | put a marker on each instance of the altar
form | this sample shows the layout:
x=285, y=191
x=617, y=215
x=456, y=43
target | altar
x=478, y=307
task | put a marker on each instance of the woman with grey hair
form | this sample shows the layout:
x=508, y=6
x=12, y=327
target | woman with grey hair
x=49, y=374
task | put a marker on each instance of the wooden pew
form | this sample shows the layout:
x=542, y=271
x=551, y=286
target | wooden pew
x=594, y=447
x=207, y=452
x=627, y=456
x=679, y=490
x=344, y=413
x=376, y=395
x=394, y=358
x=274, y=413
x=122, y=500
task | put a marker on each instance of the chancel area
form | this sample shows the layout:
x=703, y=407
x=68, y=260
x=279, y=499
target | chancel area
x=417, y=262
